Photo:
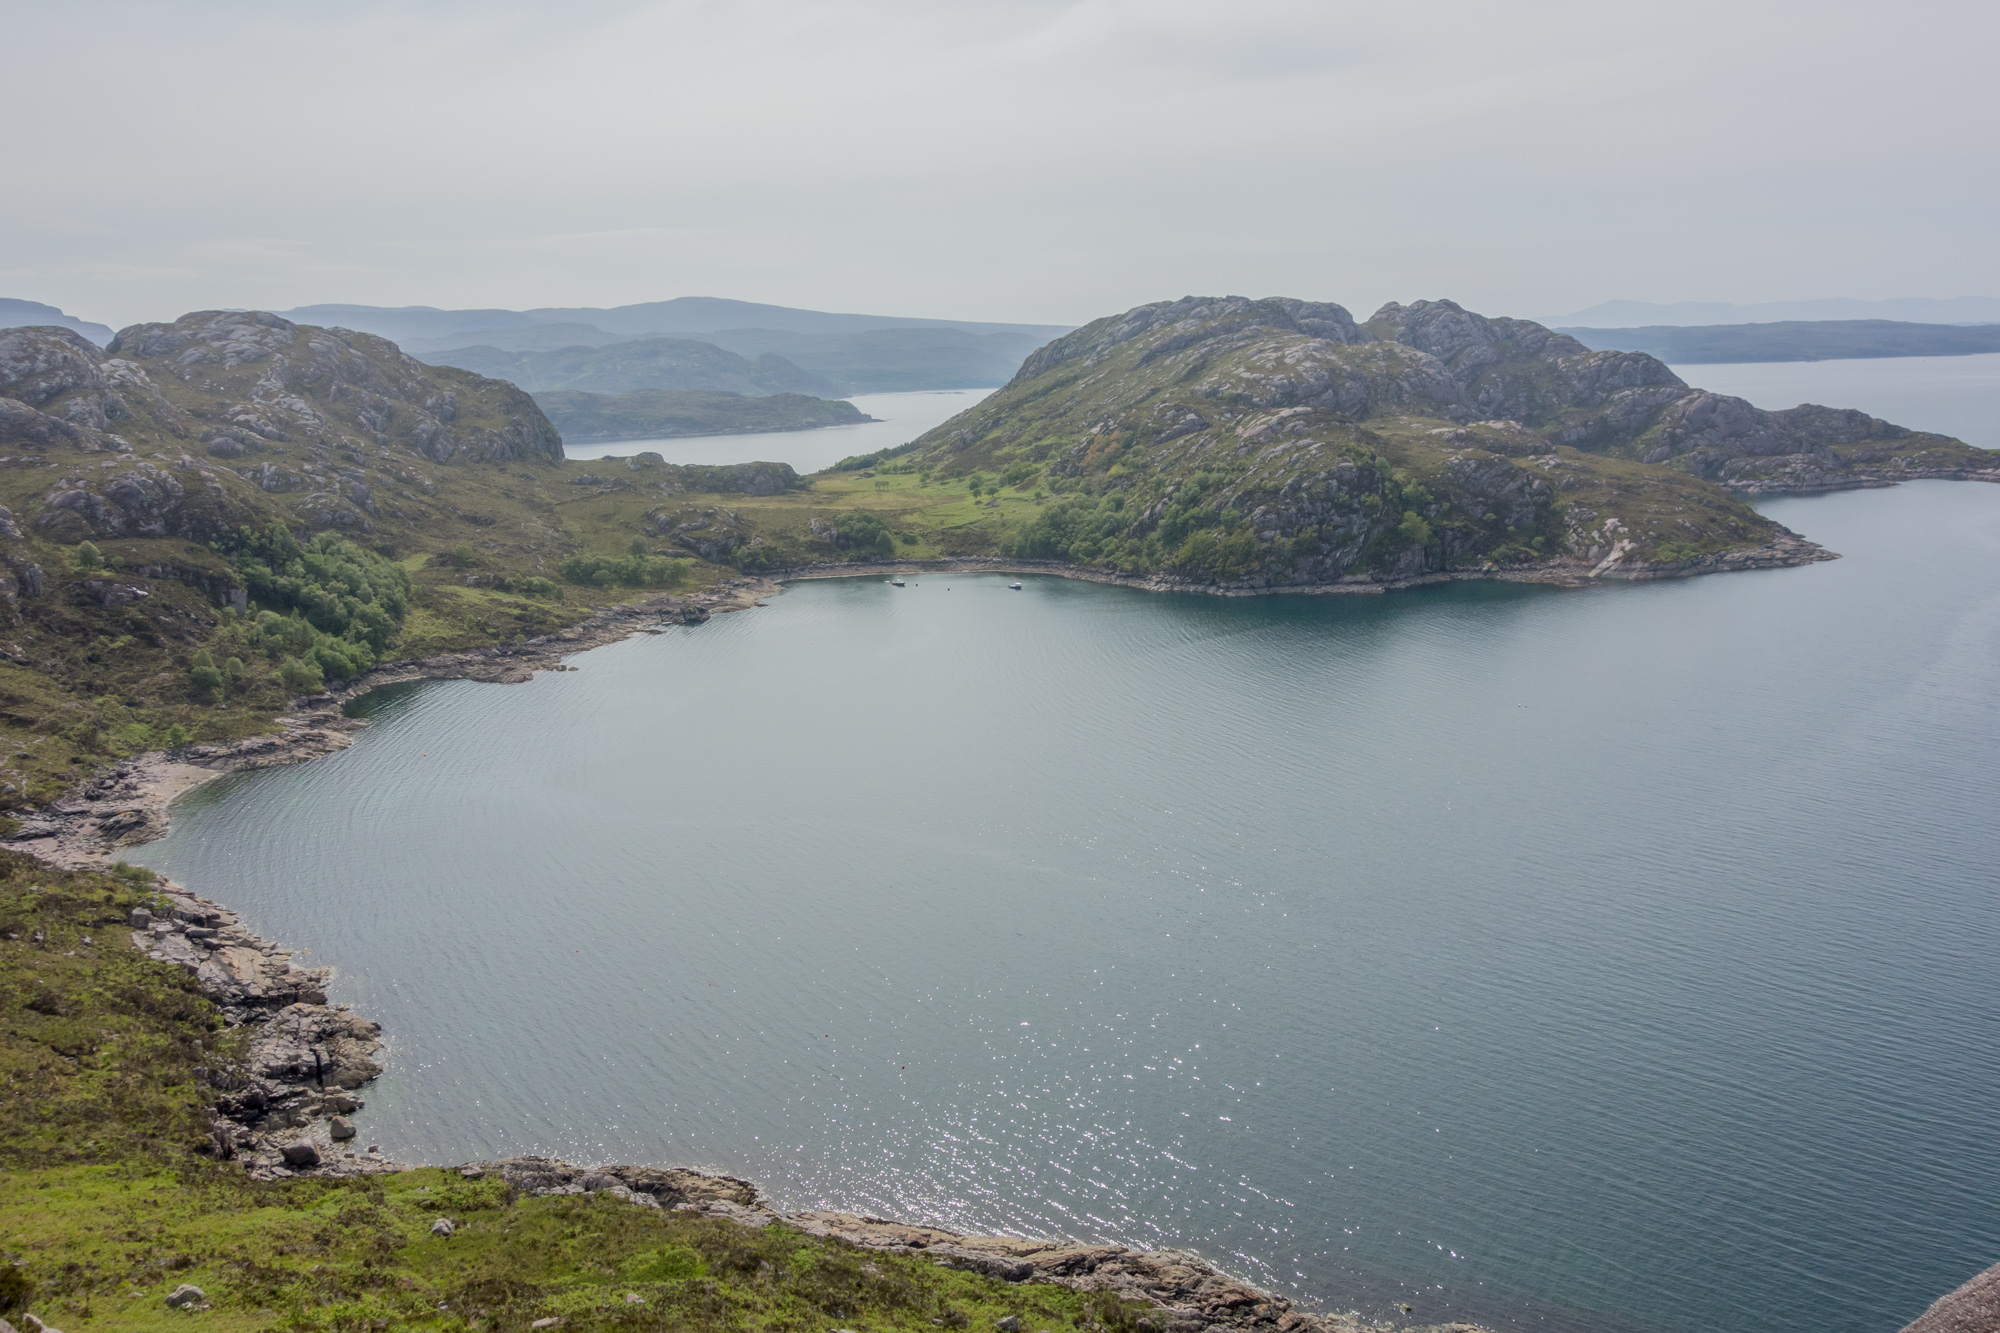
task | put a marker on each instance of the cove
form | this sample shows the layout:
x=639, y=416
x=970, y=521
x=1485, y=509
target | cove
x=1610, y=959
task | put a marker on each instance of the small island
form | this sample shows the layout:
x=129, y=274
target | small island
x=656, y=414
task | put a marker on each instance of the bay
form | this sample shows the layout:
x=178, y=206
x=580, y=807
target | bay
x=900, y=418
x=1614, y=959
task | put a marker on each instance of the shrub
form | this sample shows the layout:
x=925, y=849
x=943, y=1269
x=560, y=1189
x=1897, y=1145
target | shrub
x=305, y=677
x=671, y=1263
x=205, y=677
x=533, y=586
x=88, y=558
x=865, y=532
x=632, y=571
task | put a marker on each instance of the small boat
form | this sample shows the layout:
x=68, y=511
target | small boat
x=1015, y=585
x=896, y=582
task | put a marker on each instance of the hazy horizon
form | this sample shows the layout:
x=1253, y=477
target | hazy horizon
x=1033, y=161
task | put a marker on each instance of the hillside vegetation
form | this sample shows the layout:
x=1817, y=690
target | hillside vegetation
x=211, y=517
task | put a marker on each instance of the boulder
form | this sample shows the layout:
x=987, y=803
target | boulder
x=340, y=1130
x=300, y=1154
x=444, y=1226
x=185, y=1295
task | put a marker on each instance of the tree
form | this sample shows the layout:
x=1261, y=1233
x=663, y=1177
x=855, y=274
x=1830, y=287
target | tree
x=88, y=558
x=205, y=677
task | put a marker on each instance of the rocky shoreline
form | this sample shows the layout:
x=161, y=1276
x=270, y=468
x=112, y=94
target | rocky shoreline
x=283, y=1107
x=1788, y=549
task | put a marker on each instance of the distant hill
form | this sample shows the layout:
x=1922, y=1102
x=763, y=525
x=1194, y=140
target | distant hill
x=893, y=360
x=1793, y=340
x=410, y=325
x=1923, y=310
x=844, y=353
x=585, y=418
x=532, y=338
x=661, y=364
x=16, y=314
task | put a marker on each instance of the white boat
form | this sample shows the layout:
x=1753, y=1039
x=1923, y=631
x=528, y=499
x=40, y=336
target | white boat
x=1015, y=585
x=897, y=582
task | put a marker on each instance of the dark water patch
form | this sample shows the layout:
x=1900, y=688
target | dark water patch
x=1605, y=959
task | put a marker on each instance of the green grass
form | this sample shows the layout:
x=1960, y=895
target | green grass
x=104, y=1245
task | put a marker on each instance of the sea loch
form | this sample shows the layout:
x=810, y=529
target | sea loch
x=1612, y=959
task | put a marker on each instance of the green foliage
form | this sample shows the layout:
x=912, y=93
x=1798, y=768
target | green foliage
x=204, y=677
x=1413, y=529
x=306, y=677
x=88, y=558
x=1086, y=530
x=461, y=556
x=534, y=586
x=671, y=1263
x=1208, y=554
x=863, y=531
x=98, y=1040
x=856, y=462
x=1017, y=473
x=342, y=605
x=636, y=570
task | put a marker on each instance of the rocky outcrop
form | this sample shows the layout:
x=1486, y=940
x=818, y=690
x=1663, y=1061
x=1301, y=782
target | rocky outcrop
x=1190, y=1293
x=289, y=382
x=304, y=1056
x=1972, y=1308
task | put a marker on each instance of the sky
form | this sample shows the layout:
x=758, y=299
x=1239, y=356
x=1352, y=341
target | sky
x=1019, y=160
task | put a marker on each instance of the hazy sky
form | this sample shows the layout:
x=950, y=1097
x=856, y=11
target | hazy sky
x=995, y=159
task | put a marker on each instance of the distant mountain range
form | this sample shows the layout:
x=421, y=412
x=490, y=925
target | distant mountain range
x=16, y=314
x=1921, y=310
x=419, y=328
x=829, y=354
x=656, y=364
x=1793, y=340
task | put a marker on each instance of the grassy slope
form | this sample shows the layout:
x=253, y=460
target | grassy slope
x=106, y=1203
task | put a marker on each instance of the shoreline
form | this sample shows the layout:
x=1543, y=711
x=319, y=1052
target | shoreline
x=1785, y=551
x=283, y=1109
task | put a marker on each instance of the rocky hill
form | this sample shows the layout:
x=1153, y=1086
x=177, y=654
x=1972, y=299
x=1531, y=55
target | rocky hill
x=208, y=517
x=1283, y=443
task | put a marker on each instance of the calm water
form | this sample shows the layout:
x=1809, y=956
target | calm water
x=1953, y=395
x=1614, y=959
x=900, y=418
